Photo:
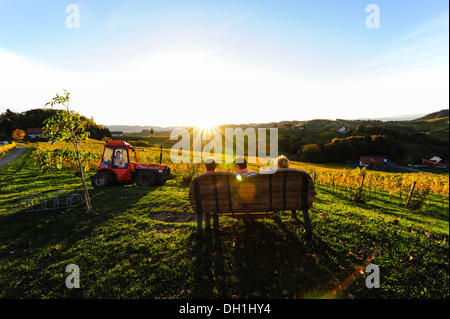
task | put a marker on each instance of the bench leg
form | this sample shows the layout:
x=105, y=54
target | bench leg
x=294, y=213
x=216, y=221
x=306, y=220
x=199, y=224
x=307, y=224
x=208, y=221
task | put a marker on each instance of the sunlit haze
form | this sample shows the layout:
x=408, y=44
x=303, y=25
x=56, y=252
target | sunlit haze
x=206, y=63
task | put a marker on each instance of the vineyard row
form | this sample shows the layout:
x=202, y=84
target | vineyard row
x=413, y=189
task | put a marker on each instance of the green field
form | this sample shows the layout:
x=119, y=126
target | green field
x=141, y=243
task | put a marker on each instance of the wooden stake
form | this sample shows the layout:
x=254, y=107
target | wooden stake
x=410, y=193
x=360, y=187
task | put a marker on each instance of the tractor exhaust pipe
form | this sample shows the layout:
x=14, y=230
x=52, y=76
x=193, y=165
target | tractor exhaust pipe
x=160, y=157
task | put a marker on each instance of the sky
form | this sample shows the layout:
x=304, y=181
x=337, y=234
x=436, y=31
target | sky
x=212, y=62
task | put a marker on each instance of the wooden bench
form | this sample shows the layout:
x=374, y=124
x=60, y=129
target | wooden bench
x=250, y=197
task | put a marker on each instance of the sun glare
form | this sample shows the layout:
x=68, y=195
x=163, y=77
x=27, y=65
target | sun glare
x=205, y=127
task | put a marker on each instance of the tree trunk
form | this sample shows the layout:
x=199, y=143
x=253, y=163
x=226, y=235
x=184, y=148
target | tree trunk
x=86, y=192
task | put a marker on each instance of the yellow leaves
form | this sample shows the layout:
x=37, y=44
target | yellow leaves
x=7, y=147
x=18, y=134
x=408, y=259
x=183, y=291
x=394, y=183
x=129, y=271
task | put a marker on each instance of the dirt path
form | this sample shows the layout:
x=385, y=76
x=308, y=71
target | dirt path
x=11, y=157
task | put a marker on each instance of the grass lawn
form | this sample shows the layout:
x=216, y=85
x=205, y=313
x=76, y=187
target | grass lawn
x=141, y=243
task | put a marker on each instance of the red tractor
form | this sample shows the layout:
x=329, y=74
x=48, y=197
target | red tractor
x=117, y=168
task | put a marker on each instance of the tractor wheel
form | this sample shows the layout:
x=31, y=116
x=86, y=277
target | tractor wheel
x=101, y=180
x=146, y=179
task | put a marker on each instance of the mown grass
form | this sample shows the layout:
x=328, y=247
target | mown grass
x=126, y=250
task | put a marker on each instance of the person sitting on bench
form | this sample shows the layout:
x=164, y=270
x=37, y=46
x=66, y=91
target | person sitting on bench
x=210, y=165
x=282, y=162
x=241, y=165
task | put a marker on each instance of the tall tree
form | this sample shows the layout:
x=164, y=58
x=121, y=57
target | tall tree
x=68, y=125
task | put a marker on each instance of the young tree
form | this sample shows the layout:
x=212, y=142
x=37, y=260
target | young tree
x=68, y=125
x=18, y=134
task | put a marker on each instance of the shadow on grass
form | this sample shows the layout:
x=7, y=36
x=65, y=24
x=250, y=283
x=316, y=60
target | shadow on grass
x=39, y=240
x=268, y=259
x=70, y=223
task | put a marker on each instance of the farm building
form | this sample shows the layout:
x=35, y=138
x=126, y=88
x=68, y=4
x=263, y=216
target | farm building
x=435, y=161
x=116, y=133
x=372, y=160
x=34, y=132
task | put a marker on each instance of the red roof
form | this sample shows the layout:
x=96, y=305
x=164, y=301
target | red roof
x=116, y=143
x=370, y=159
x=34, y=131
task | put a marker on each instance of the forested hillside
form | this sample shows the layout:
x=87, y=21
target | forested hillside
x=405, y=142
x=34, y=118
x=315, y=141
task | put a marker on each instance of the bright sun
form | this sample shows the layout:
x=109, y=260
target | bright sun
x=205, y=127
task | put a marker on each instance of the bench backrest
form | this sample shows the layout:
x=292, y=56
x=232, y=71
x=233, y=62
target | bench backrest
x=229, y=193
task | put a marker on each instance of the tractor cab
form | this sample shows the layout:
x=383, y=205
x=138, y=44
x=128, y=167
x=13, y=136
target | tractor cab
x=116, y=156
x=119, y=165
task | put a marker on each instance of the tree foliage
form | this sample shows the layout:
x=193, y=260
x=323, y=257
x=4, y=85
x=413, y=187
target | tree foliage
x=18, y=134
x=65, y=158
x=67, y=125
x=34, y=118
x=399, y=145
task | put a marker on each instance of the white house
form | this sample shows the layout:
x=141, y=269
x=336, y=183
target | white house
x=116, y=133
x=341, y=129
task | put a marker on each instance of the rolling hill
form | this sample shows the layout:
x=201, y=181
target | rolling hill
x=435, y=123
x=402, y=141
